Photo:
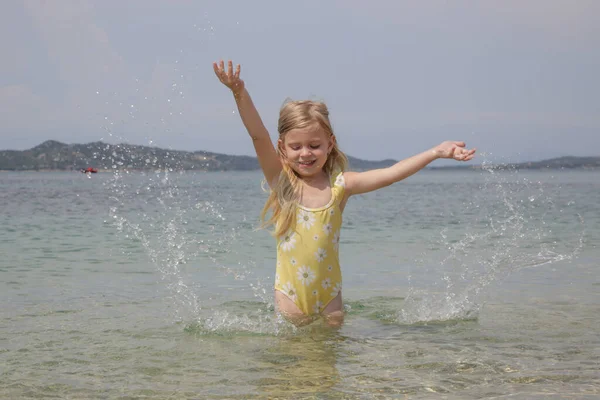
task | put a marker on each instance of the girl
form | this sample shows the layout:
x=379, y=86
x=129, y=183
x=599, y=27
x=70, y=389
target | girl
x=309, y=189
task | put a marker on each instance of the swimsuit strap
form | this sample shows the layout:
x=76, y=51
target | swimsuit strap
x=338, y=185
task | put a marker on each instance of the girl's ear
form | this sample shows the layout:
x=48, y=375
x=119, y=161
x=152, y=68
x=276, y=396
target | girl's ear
x=331, y=144
x=281, y=147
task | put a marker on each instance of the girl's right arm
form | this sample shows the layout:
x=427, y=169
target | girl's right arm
x=265, y=151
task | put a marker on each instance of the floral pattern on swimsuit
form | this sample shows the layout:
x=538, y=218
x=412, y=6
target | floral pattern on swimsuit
x=308, y=267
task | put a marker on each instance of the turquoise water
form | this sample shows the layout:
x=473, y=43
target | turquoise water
x=457, y=285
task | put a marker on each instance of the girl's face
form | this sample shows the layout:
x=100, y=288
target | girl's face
x=306, y=149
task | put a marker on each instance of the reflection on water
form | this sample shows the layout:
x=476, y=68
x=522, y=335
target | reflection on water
x=304, y=364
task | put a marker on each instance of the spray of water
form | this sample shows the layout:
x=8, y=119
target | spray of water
x=511, y=225
x=154, y=210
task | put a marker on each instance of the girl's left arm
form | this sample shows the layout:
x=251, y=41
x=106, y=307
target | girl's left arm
x=363, y=182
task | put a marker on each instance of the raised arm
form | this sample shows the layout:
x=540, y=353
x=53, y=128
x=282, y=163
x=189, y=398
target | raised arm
x=265, y=151
x=362, y=182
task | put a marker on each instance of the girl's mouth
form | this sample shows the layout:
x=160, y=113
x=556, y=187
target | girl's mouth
x=306, y=164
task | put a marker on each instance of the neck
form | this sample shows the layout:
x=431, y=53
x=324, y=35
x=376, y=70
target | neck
x=314, y=179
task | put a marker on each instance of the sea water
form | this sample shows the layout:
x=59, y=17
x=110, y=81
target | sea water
x=457, y=285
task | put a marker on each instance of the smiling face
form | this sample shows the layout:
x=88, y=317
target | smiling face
x=306, y=149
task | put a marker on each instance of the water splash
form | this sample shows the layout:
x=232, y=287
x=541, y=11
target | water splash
x=512, y=224
x=154, y=210
x=223, y=322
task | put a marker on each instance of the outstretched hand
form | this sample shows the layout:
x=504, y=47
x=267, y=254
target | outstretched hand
x=228, y=76
x=455, y=150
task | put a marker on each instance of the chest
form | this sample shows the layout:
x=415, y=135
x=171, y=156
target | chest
x=313, y=197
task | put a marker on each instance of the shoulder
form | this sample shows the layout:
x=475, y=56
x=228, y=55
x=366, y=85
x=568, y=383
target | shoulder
x=339, y=180
x=338, y=185
x=349, y=177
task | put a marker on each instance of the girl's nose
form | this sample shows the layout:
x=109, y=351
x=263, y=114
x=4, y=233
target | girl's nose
x=305, y=151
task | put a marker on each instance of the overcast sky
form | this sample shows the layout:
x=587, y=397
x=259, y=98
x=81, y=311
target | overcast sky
x=518, y=79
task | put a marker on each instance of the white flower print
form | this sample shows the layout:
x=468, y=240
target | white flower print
x=305, y=275
x=293, y=261
x=339, y=181
x=320, y=254
x=306, y=219
x=288, y=242
x=317, y=307
x=327, y=229
x=336, y=289
x=290, y=291
x=336, y=240
x=326, y=283
x=330, y=268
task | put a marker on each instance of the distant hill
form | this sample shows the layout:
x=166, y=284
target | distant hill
x=567, y=162
x=53, y=155
x=561, y=162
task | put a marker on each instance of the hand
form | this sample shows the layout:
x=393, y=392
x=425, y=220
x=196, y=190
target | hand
x=455, y=150
x=228, y=76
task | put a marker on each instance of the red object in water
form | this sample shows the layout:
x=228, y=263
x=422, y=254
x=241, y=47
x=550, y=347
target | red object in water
x=89, y=170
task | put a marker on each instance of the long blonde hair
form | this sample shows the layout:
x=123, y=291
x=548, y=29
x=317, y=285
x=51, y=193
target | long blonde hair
x=284, y=197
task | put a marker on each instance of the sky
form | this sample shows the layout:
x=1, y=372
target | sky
x=516, y=79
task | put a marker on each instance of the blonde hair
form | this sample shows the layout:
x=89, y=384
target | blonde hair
x=284, y=197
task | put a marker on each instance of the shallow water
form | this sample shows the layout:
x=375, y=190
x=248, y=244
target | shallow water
x=457, y=285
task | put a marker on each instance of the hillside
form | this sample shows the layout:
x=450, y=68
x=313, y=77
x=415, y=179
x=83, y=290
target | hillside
x=53, y=155
x=567, y=162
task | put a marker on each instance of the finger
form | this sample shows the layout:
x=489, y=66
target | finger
x=237, y=71
x=459, y=144
x=216, y=68
x=229, y=68
x=221, y=66
x=451, y=152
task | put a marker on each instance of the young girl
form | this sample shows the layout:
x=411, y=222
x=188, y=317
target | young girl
x=309, y=189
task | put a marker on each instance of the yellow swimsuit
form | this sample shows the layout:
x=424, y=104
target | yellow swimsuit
x=308, y=265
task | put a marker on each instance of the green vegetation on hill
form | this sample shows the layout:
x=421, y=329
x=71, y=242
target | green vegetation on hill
x=53, y=155
x=568, y=162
